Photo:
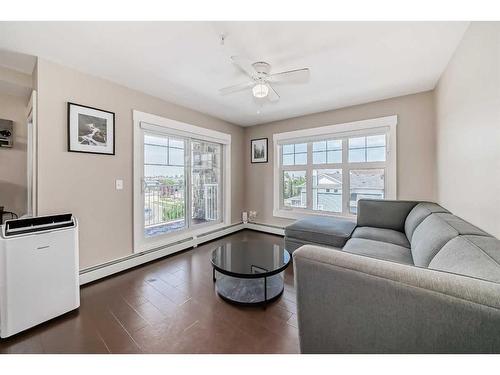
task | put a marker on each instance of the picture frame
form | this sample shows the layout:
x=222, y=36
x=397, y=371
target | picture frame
x=90, y=130
x=258, y=150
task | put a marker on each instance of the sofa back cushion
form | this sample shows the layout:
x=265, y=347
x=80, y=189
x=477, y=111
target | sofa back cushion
x=418, y=214
x=434, y=232
x=471, y=255
x=387, y=214
x=462, y=227
x=429, y=237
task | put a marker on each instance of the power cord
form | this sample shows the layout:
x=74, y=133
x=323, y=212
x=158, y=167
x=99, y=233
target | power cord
x=13, y=215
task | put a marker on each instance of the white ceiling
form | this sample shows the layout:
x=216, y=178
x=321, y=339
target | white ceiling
x=184, y=62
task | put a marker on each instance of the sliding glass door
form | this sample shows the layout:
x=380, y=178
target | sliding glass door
x=181, y=184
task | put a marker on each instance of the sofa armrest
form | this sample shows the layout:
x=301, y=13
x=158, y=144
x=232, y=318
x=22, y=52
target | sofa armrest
x=382, y=213
x=348, y=303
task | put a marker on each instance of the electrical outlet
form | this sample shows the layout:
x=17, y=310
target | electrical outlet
x=119, y=184
x=252, y=215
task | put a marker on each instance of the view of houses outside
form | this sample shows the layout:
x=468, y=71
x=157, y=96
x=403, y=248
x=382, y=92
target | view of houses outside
x=365, y=183
x=327, y=188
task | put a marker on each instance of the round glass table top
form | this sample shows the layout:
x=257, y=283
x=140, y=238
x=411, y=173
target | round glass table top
x=250, y=259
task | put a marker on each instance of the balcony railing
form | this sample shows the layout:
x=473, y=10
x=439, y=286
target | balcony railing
x=164, y=204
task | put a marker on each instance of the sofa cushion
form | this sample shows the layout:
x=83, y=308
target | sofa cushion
x=470, y=255
x=383, y=235
x=434, y=232
x=429, y=237
x=460, y=225
x=379, y=250
x=331, y=231
x=382, y=213
x=418, y=214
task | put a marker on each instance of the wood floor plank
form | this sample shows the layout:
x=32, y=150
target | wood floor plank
x=126, y=315
x=115, y=336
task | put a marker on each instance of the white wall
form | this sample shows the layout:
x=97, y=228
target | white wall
x=468, y=129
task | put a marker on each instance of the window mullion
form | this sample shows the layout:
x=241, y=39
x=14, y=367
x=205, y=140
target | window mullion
x=300, y=167
x=188, y=185
x=309, y=169
x=345, y=177
x=280, y=177
x=368, y=165
x=328, y=166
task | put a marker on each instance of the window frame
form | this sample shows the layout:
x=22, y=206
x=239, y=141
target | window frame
x=149, y=123
x=383, y=125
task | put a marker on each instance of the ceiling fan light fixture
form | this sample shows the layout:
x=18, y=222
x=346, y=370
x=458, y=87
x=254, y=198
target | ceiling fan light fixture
x=260, y=90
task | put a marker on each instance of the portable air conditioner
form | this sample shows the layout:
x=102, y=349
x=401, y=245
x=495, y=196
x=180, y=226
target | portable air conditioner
x=38, y=271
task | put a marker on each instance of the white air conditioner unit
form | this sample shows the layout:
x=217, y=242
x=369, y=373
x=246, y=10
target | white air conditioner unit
x=39, y=272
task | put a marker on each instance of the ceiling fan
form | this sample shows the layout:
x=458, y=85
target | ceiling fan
x=261, y=78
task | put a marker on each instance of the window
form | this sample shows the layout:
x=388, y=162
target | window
x=327, y=152
x=294, y=183
x=332, y=167
x=164, y=184
x=367, y=184
x=181, y=181
x=367, y=149
x=295, y=154
x=327, y=190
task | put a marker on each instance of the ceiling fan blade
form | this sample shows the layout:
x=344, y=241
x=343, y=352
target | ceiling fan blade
x=236, y=88
x=245, y=65
x=273, y=95
x=290, y=76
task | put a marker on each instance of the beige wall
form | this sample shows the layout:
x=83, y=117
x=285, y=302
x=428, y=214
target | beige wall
x=13, y=160
x=416, y=149
x=84, y=183
x=468, y=129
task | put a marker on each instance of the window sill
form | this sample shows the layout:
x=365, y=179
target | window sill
x=299, y=214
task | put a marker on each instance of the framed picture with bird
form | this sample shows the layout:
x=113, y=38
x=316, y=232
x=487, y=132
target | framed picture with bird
x=90, y=130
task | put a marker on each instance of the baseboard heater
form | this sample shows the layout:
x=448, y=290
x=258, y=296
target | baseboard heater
x=134, y=256
x=90, y=274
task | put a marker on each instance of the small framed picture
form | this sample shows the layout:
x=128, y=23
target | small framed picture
x=90, y=130
x=258, y=149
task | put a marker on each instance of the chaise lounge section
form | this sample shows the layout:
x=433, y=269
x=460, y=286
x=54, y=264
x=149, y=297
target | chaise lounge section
x=410, y=278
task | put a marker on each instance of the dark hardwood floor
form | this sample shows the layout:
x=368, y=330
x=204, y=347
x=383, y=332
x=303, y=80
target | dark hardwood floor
x=167, y=306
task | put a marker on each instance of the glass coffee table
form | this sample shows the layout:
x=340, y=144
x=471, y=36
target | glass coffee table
x=249, y=272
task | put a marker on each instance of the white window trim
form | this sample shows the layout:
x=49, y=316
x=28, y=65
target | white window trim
x=388, y=124
x=147, y=121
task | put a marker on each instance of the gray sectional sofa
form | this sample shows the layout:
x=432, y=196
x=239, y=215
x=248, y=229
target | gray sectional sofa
x=407, y=277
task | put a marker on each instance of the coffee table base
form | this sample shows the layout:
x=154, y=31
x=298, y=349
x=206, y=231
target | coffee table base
x=255, y=291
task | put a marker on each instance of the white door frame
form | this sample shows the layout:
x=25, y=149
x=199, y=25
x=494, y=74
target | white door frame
x=145, y=121
x=32, y=156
